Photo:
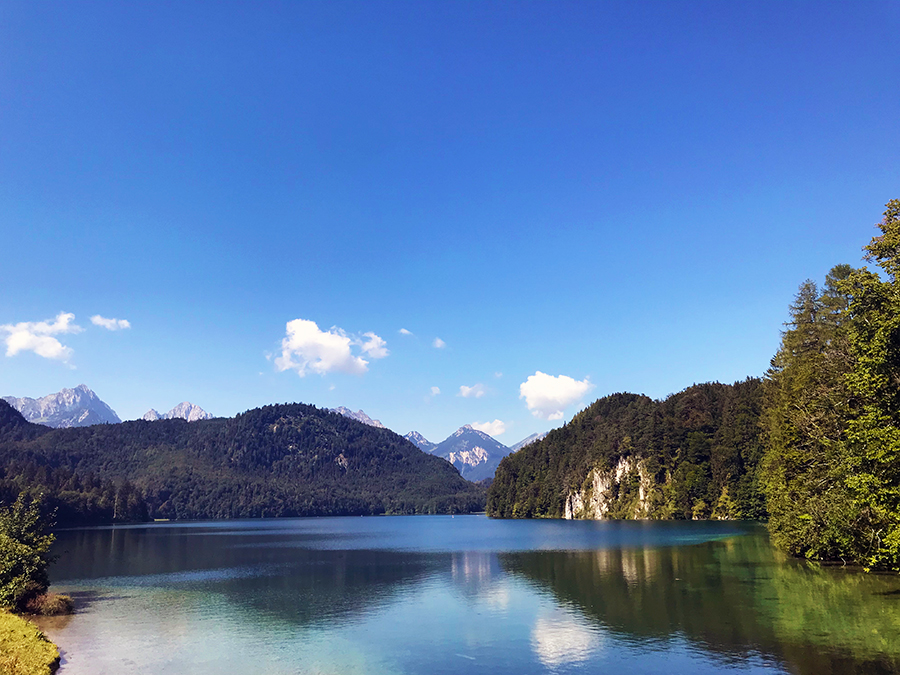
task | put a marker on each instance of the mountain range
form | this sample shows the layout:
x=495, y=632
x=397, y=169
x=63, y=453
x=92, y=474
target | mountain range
x=359, y=416
x=81, y=407
x=78, y=407
x=184, y=411
x=279, y=460
x=474, y=453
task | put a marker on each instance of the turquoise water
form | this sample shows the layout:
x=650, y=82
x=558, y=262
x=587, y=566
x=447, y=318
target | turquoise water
x=464, y=594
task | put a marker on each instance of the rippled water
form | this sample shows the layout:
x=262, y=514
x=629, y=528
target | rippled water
x=424, y=595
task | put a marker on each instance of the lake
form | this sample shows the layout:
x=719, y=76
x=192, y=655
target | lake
x=422, y=595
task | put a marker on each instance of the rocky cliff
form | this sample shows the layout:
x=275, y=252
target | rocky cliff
x=623, y=491
x=78, y=407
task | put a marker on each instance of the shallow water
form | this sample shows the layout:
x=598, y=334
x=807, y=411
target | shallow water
x=423, y=595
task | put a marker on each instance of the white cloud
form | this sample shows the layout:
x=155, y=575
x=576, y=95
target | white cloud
x=403, y=331
x=374, y=346
x=110, y=324
x=546, y=396
x=438, y=343
x=305, y=348
x=36, y=336
x=559, y=639
x=498, y=374
x=435, y=391
x=475, y=391
x=494, y=428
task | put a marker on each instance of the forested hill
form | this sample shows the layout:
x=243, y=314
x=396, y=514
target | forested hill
x=693, y=455
x=279, y=460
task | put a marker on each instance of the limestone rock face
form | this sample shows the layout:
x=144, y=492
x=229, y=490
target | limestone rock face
x=597, y=499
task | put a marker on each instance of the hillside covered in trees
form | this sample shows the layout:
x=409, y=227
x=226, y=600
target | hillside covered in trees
x=279, y=460
x=814, y=447
x=693, y=455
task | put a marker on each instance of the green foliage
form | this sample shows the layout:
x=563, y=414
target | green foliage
x=24, y=552
x=692, y=446
x=806, y=466
x=280, y=460
x=832, y=467
x=75, y=500
x=873, y=436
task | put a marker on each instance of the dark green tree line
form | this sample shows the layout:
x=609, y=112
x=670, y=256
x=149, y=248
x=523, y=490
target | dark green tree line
x=279, y=460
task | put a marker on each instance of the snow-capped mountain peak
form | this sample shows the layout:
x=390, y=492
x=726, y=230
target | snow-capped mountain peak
x=474, y=453
x=78, y=407
x=184, y=410
x=420, y=441
x=534, y=438
x=359, y=416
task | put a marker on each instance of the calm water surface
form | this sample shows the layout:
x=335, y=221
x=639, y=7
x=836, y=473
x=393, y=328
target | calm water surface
x=426, y=595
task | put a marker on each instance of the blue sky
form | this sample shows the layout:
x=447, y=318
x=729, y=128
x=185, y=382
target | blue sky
x=599, y=196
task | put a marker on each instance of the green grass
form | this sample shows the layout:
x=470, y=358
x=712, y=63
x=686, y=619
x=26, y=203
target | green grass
x=23, y=648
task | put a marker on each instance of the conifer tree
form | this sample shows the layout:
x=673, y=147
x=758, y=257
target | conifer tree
x=873, y=431
x=804, y=470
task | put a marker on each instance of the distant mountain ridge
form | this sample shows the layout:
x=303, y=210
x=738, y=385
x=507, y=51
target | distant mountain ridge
x=78, y=407
x=475, y=454
x=420, y=441
x=184, y=411
x=359, y=416
x=534, y=438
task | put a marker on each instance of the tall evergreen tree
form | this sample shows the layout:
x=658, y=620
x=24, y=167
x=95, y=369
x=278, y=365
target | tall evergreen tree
x=873, y=432
x=831, y=472
x=804, y=472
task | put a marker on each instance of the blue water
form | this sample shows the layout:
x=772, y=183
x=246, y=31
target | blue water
x=464, y=594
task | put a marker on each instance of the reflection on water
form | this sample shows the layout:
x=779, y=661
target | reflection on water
x=442, y=595
x=734, y=598
x=560, y=637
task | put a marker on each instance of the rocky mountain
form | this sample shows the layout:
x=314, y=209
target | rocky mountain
x=534, y=438
x=183, y=411
x=78, y=407
x=420, y=441
x=359, y=416
x=474, y=453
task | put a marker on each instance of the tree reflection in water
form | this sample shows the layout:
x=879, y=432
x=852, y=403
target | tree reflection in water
x=733, y=598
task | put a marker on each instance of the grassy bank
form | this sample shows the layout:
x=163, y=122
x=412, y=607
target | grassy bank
x=23, y=648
